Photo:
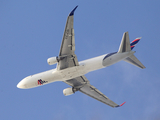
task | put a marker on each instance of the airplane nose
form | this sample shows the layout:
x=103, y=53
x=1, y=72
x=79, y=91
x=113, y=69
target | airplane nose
x=20, y=85
x=23, y=83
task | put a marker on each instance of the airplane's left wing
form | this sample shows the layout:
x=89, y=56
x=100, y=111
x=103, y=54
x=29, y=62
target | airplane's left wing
x=82, y=84
x=67, y=57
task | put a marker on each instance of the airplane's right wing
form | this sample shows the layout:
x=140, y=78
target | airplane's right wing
x=83, y=85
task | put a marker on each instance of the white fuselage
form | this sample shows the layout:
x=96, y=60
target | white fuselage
x=72, y=72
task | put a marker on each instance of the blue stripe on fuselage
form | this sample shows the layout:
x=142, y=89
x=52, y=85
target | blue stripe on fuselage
x=109, y=55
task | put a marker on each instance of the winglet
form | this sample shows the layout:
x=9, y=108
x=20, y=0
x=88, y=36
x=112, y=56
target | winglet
x=72, y=12
x=121, y=104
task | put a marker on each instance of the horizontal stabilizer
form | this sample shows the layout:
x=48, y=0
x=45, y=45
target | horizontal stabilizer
x=134, y=61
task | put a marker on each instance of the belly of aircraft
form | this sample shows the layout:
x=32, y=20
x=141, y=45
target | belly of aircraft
x=70, y=73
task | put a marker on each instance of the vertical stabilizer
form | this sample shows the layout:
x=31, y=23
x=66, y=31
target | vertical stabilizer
x=125, y=44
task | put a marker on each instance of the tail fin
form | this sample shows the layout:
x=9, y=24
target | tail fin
x=134, y=42
x=125, y=46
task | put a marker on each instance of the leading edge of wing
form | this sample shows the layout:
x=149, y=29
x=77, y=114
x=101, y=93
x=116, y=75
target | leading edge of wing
x=72, y=12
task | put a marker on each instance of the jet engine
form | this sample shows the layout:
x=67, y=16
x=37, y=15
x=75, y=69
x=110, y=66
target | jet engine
x=52, y=60
x=68, y=91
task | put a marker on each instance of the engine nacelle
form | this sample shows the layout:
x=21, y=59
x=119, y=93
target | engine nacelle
x=68, y=91
x=52, y=60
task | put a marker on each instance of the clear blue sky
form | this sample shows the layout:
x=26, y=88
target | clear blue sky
x=31, y=31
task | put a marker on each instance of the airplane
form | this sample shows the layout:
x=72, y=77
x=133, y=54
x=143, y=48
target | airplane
x=72, y=72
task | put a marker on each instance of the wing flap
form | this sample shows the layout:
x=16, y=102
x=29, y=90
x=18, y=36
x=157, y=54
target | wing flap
x=73, y=41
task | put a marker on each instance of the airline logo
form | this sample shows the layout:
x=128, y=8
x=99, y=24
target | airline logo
x=40, y=82
x=134, y=42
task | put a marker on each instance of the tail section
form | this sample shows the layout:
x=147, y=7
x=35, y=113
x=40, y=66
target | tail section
x=126, y=46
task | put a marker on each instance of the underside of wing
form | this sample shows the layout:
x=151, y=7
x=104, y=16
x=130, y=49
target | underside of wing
x=67, y=57
x=96, y=94
x=82, y=84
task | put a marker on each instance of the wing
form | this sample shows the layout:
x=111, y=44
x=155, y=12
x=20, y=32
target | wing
x=82, y=84
x=67, y=57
